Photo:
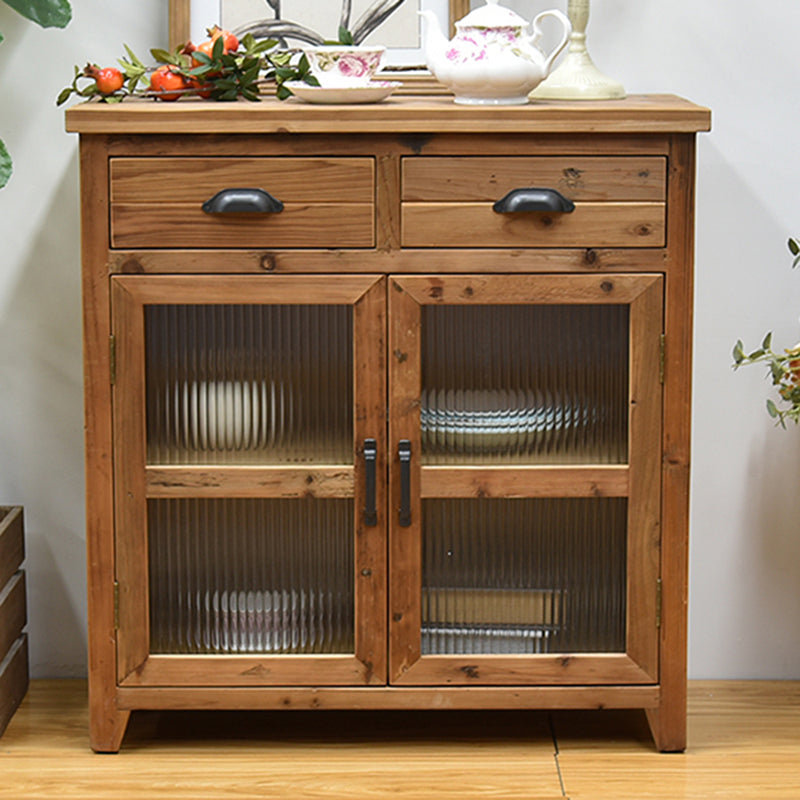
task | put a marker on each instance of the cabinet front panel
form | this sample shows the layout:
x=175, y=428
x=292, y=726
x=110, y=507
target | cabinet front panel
x=159, y=202
x=587, y=178
x=449, y=202
x=249, y=446
x=526, y=427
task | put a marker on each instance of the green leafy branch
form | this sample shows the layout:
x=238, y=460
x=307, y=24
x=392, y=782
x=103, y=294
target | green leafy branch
x=783, y=368
x=218, y=74
x=47, y=14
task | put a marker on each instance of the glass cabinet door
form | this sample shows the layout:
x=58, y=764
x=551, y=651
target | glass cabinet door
x=249, y=415
x=525, y=424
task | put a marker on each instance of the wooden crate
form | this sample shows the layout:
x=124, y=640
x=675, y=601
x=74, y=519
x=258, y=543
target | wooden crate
x=13, y=642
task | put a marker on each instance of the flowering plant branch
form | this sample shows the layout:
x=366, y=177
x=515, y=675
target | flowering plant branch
x=784, y=368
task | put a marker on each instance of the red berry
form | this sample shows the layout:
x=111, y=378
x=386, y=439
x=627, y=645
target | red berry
x=108, y=79
x=167, y=84
x=230, y=40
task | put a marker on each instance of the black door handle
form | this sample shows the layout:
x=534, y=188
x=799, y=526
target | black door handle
x=370, y=460
x=534, y=200
x=404, y=451
x=242, y=201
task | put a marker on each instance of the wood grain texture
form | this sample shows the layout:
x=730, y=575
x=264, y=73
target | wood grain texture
x=408, y=114
x=405, y=554
x=249, y=670
x=13, y=612
x=12, y=542
x=644, y=500
x=533, y=481
x=187, y=225
x=130, y=445
x=486, y=178
x=369, y=422
x=344, y=261
x=292, y=179
x=538, y=289
x=288, y=480
x=107, y=721
x=271, y=289
x=13, y=679
x=478, y=225
x=668, y=722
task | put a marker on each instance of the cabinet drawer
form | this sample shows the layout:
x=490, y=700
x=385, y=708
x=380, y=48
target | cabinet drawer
x=619, y=201
x=158, y=202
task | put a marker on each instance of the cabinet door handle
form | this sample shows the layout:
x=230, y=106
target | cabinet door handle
x=534, y=200
x=404, y=451
x=370, y=460
x=242, y=201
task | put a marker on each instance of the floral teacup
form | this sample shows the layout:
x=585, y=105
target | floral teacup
x=338, y=66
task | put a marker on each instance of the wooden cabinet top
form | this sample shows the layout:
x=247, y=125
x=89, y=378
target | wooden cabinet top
x=402, y=114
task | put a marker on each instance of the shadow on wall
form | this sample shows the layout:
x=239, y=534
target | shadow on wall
x=41, y=432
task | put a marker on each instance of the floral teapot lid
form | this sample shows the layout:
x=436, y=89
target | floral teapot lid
x=492, y=15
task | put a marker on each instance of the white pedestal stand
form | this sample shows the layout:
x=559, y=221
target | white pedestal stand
x=577, y=77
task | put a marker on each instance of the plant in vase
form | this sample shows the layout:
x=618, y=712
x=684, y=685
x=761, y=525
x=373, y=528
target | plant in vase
x=783, y=367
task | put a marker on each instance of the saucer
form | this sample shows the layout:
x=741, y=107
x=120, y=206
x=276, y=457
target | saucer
x=373, y=92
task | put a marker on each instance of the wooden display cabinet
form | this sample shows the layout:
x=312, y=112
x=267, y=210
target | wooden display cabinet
x=388, y=406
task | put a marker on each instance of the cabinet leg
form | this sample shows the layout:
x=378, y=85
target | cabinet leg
x=668, y=726
x=107, y=729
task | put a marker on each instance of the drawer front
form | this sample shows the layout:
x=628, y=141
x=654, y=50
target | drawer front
x=158, y=202
x=619, y=201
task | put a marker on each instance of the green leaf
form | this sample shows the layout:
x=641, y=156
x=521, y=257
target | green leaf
x=282, y=92
x=755, y=355
x=345, y=37
x=1, y=37
x=47, y=13
x=5, y=165
x=794, y=247
x=772, y=409
x=219, y=47
x=738, y=352
x=285, y=73
x=133, y=57
x=162, y=56
x=767, y=343
x=64, y=96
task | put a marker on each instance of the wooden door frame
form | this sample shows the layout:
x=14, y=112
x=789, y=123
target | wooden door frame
x=136, y=666
x=638, y=480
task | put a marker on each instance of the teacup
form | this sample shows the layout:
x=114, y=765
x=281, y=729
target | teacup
x=338, y=66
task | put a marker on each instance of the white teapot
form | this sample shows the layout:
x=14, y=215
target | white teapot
x=491, y=60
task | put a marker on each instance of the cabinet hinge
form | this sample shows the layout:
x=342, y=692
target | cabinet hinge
x=116, y=605
x=112, y=358
x=658, y=603
x=661, y=357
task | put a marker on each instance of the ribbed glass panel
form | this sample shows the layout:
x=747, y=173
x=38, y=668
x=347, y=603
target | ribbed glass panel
x=247, y=383
x=524, y=384
x=251, y=576
x=523, y=575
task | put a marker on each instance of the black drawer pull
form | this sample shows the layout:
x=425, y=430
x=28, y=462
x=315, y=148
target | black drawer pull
x=370, y=459
x=534, y=200
x=242, y=201
x=404, y=451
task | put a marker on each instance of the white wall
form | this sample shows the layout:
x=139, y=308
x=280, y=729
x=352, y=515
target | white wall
x=739, y=59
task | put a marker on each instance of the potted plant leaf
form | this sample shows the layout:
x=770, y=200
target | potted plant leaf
x=48, y=14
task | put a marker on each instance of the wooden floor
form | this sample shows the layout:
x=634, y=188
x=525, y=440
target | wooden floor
x=744, y=742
